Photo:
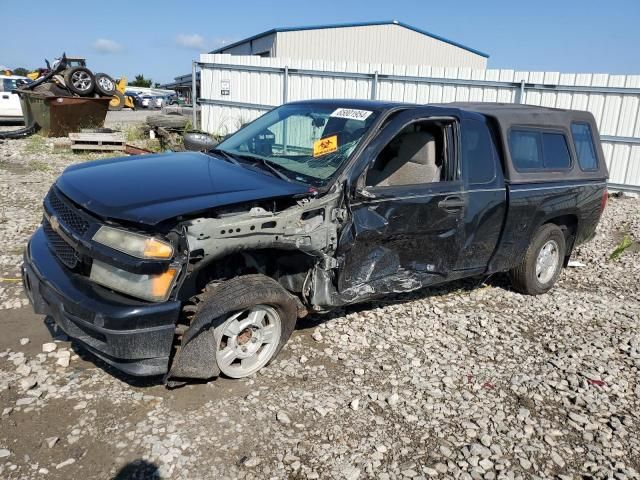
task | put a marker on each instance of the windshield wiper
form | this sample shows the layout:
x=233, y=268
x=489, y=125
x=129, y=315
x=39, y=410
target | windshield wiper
x=267, y=163
x=232, y=157
x=226, y=155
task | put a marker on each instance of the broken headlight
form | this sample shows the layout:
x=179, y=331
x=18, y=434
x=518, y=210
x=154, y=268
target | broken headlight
x=155, y=288
x=134, y=244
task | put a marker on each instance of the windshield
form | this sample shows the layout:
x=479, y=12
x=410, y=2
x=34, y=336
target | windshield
x=306, y=142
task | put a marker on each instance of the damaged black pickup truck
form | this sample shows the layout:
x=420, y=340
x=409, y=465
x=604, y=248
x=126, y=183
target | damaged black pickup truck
x=192, y=265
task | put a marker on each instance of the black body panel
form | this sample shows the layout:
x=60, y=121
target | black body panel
x=401, y=240
x=530, y=206
x=149, y=189
x=135, y=337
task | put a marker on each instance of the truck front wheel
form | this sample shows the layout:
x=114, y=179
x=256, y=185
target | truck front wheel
x=542, y=263
x=239, y=326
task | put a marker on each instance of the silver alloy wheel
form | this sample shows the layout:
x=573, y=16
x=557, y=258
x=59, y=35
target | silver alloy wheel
x=106, y=84
x=81, y=80
x=247, y=341
x=547, y=261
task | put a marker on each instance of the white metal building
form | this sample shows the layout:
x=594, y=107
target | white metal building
x=372, y=42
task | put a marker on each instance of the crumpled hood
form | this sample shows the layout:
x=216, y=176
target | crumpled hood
x=151, y=188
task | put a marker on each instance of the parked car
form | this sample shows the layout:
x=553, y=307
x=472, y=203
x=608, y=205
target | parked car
x=192, y=265
x=150, y=101
x=10, y=108
x=146, y=101
x=176, y=99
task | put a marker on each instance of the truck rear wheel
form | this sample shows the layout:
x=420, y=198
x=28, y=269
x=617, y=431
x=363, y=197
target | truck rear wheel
x=542, y=263
x=245, y=321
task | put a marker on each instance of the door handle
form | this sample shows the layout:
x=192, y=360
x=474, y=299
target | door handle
x=450, y=203
x=5, y=97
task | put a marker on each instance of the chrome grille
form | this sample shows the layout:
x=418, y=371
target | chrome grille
x=66, y=214
x=65, y=252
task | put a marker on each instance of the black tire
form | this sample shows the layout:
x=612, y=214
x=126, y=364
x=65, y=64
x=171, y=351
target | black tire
x=524, y=277
x=20, y=133
x=117, y=101
x=105, y=85
x=197, y=356
x=198, y=142
x=168, y=121
x=80, y=81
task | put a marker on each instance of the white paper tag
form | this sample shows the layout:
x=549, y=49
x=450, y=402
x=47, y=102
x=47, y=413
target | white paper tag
x=351, y=113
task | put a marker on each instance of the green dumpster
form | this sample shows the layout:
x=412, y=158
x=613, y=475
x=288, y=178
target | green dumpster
x=59, y=116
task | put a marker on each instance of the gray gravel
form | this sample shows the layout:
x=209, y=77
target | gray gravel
x=460, y=382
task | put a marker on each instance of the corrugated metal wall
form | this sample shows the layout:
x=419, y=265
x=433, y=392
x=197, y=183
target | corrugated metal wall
x=374, y=43
x=257, y=84
x=254, y=47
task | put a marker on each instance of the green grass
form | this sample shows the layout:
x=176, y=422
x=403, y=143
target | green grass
x=154, y=145
x=36, y=144
x=625, y=243
x=38, y=166
x=133, y=133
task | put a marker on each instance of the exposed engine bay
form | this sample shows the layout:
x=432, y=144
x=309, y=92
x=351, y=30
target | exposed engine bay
x=290, y=242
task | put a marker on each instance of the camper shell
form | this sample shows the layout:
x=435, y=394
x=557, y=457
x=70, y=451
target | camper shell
x=506, y=116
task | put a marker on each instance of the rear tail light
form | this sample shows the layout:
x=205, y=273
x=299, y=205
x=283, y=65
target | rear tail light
x=605, y=197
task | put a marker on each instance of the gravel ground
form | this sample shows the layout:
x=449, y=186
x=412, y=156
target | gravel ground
x=457, y=382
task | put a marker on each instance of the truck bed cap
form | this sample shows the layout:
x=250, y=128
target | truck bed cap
x=505, y=116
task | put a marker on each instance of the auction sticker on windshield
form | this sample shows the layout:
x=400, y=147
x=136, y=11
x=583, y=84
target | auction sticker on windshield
x=351, y=113
x=325, y=145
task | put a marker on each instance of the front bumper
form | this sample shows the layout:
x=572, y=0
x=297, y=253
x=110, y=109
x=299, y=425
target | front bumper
x=132, y=336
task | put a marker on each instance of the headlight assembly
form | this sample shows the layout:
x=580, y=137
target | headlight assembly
x=134, y=244
x=155, y=288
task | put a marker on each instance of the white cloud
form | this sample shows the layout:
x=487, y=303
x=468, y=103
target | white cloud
x=192, y=41
x=104, y=45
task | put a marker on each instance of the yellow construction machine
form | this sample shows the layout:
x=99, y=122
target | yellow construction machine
x=120, y=100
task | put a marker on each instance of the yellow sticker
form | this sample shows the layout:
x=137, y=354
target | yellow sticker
x=325, y=145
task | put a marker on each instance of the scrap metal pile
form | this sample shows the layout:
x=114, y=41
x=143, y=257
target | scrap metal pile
x=67, y=97
x=70, y=77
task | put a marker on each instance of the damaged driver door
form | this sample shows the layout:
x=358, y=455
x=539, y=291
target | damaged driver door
x=407, y=208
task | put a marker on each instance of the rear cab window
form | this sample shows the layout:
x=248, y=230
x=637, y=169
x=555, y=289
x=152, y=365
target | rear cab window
x=534, y=149
x=585, y=148
x=479, y=156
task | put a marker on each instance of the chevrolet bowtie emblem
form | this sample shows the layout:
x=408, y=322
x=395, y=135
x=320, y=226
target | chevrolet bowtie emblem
x=55, y=224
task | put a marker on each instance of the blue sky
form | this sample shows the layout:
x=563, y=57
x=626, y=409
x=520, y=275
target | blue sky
x=160, y=38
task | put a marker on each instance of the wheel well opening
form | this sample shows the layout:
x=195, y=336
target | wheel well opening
x=569, y=226
x=288, y=268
